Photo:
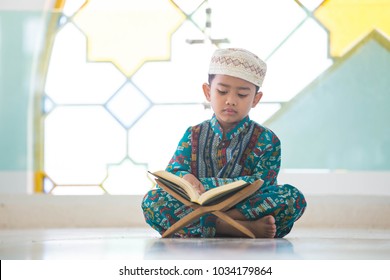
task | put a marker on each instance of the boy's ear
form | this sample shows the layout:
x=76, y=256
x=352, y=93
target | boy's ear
x=257, y=99
x=206, y=91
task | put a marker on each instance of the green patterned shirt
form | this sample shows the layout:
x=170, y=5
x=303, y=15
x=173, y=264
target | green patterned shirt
x=249, y=152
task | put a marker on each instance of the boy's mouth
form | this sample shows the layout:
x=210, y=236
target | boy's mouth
x=230, y=111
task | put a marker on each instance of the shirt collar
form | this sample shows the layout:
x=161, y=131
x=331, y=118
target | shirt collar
x=231, y=133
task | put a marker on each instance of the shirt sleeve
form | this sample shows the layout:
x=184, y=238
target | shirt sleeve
x=180, y=163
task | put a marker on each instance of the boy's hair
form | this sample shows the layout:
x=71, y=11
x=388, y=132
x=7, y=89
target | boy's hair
x=212, y=76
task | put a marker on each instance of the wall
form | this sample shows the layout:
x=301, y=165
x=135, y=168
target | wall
x=339, y=121
x=21, y=33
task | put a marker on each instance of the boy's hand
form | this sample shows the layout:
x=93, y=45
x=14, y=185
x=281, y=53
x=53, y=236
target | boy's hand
x=196, y=184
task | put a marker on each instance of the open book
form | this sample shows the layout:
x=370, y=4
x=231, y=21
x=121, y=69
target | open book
x=184, y=188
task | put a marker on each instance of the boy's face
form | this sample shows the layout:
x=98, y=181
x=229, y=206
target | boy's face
x=231, y=99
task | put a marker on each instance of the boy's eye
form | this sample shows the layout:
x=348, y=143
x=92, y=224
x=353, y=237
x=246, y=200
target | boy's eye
x=242, y=95
x=221, y=91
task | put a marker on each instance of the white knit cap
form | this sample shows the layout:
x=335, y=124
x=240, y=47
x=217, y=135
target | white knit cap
x=238, y=63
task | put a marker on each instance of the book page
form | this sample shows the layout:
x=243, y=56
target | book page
x=221, y=191
x=191, y=194
x=185, y=189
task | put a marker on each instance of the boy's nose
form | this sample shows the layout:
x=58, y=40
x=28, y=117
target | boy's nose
x=230, y=101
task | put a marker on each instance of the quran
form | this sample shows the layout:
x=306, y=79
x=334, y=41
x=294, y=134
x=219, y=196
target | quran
x=185, y=189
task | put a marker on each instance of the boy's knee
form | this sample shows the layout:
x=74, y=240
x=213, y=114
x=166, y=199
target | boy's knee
x=148, y=203
x=297, y=195
x=299, y=202
x=152, y=196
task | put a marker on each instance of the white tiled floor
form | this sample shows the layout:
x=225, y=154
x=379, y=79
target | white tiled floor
x=141, y=243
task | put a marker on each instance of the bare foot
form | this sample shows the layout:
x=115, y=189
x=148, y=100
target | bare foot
x=261, y=228
x=264, y=227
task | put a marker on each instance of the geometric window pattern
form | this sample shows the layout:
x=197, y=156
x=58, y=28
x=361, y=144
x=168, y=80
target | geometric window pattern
x=123, y=79
x=349, y=21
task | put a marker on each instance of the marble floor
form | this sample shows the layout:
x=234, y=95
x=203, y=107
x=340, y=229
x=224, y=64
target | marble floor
x=144, y=244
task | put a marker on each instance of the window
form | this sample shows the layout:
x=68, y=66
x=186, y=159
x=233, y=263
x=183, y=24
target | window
x=123, y=79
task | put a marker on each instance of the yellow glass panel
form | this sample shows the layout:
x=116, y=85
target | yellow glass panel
x=349, y=21
x=128, y=33
x=73, y=80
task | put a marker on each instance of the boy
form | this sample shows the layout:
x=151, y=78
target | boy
x=229, y=147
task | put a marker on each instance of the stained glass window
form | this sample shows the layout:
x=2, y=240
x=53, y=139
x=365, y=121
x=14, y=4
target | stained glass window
x=124, y=78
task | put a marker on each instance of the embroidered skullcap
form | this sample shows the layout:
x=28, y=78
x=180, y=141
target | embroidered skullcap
x=238, y=63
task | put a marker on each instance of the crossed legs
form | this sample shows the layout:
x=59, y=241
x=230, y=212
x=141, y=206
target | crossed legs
x=161, y=211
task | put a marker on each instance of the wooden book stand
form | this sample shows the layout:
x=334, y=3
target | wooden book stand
x=216, y=209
